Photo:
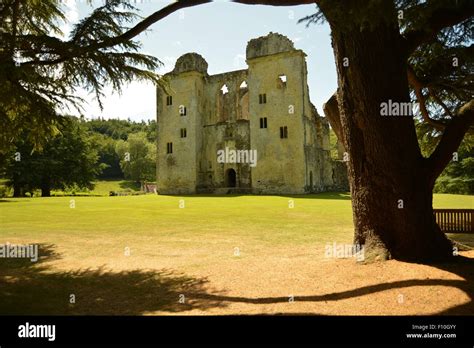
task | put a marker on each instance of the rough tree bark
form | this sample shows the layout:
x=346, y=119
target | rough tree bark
x=391, y=183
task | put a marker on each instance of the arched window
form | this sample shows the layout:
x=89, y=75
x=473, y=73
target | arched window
x=224, y=89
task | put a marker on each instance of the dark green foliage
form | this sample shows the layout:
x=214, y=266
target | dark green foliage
x=120, y=129
x=458, y=176
x=67, y=160
x=40, y=70
x=106, y=133
x=105, y=147
x=141, y=164
x=96, y=139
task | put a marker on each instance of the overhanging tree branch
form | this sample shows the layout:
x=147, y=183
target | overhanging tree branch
x=146, y=23
x=417, y=87
x=440, y=102
x=450, y=140
x=128, y=35
x=276, y=3
x=442, y=17
x=155, y=17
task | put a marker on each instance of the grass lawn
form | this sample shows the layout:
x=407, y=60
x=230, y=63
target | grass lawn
x=216, y=255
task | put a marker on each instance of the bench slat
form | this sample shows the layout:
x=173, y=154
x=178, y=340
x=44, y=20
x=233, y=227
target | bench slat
x=455, y=220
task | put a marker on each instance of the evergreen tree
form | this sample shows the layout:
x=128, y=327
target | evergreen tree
x=40, y=70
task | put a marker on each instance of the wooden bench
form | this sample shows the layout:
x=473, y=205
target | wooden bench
x=455, y=220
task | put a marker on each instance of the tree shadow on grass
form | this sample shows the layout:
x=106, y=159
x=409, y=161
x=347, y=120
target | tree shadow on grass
x=461, y=266
x=28, y=288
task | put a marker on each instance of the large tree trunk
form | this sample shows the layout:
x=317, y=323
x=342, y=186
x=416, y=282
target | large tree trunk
x=391, y=186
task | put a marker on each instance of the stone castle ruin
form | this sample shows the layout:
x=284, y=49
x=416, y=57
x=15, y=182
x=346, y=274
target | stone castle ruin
x=245, y=131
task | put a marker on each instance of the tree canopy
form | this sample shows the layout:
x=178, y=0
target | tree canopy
x=137, y=157
x=41, y=68
x=68, y=159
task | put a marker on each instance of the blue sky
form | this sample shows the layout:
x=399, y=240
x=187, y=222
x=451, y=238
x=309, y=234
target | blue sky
x=218, y=31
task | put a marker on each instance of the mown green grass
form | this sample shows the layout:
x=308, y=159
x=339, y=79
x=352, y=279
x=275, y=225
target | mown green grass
x=267, y=219
x=453, y=201
x=263, y=218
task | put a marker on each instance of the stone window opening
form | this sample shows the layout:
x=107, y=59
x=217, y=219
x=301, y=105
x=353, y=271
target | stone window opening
x=243, y=85
x=262, y=98
x=183, y=133
x=282, y=81
x=224, y=89
x=169, y=148
x=263, y=122
x=169, y=100
x=284, y=132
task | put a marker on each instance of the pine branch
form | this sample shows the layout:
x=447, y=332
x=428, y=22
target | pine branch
x=417, y=87
x=450, y=140
x=276, y=3
x=438, y=19
x=122, y=39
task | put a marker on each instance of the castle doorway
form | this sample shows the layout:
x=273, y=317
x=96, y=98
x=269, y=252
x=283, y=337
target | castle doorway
x=231, y=178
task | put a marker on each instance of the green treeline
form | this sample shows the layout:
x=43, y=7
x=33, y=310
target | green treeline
x=78, y=153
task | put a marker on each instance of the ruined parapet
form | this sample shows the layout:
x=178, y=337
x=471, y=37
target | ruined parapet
x=190, y=62
x=270, y=44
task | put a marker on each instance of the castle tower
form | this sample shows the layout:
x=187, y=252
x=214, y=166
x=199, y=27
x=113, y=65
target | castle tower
x=278, y=106
x=179, y=113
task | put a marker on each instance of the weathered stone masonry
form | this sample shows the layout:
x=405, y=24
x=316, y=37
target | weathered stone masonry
x=265, y=108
